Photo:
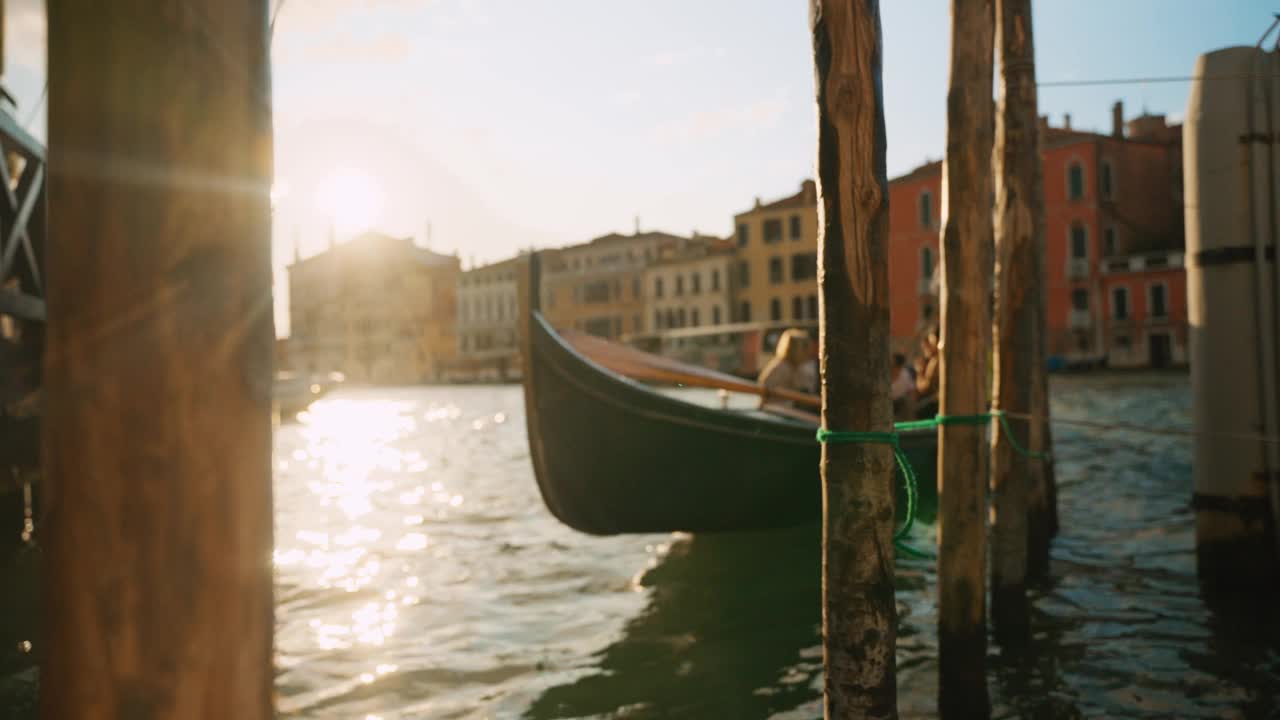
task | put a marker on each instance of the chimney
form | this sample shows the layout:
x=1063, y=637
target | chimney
x=1117, y=120
x=1066, y=121
x=637, y=231
x=809, y=192
x=758, y=201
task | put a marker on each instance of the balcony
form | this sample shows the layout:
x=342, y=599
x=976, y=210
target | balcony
x=1077, y=268
x=1079, y=319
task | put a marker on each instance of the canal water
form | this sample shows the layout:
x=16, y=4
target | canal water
x=420, y=576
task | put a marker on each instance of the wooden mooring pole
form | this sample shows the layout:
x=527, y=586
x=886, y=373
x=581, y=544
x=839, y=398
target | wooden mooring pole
x=158, y=365
x=859, y=617
x=1017, y=290
x=966, y=330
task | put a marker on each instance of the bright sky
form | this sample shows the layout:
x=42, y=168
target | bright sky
x=514, y=123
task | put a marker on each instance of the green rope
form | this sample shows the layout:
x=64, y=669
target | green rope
x=1013, y=440
x=908, y=474
x=893, y=439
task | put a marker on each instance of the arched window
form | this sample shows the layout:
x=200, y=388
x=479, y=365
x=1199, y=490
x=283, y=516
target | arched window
x=1075, y=181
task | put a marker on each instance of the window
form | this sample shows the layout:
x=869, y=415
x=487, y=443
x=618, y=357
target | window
x=635, y=287
x=797, y=308
x=671, y=318
x=1159, y=308
x=1106, y=182
x=695, y=283
x=679, y=285
x=744, y=312
x=596, y=292
x=775, y=270
x=1080, y=299
x=1109, y=241
x=657, y=287
x=743, y=235
x=680, y=317
x=926, y=263
x=926, y=209
x=693, y=317
x=715, y=314
x=600, y=326
x=772, y=231
x=657, y=319
x=744, y=273
x=715, y=280
x=795, y=227
x=1079, y=242
x=1122, y=342
x=804, y=266
x=813, y=307
x=1075, y=181
x=1120, y=303
x=775, y=309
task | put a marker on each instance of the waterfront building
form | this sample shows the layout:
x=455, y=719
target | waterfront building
x=597, y=286
x=689, y=285
x=378, y=309
x=775, y=276
x=1113, y=226
x=488, y=321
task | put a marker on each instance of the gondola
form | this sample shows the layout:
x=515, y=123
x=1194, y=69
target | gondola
x=613, y=456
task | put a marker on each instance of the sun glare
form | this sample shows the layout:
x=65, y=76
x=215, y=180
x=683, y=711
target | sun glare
x=351, y=198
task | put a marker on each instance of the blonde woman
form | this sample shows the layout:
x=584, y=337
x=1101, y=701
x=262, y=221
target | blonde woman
x=786, y=370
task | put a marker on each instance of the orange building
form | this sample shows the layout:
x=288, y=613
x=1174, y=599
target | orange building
x=1113, y=219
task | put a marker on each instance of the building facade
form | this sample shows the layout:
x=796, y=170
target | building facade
x=378, y=309
x=690, y=285
x=1110, y=201
x=487, y=322
x=598, y=286
x=775, y=274
x=1145, y=310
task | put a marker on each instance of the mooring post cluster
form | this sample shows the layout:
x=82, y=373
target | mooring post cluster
x=858, y=618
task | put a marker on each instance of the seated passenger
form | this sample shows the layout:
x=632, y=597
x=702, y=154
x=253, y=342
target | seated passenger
x=786, y=370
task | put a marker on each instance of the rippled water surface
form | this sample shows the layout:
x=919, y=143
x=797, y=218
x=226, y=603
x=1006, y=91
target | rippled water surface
x=420, y=576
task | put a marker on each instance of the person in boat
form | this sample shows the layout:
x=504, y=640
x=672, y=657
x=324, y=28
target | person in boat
x=786, y=370
x=902, y=389
x=927, y=376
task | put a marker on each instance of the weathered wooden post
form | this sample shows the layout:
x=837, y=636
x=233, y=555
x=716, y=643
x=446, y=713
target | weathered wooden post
x=966, y=328
x=859, y=617
x=1018, y=287
x=158, y=363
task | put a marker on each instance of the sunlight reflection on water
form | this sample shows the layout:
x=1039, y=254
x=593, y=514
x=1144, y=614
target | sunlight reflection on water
x=419, y=575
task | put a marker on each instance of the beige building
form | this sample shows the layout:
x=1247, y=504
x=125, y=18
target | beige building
x=488, y=322
x=776, y=270
x=597, y=287
x=378, y=309
x=690, y=285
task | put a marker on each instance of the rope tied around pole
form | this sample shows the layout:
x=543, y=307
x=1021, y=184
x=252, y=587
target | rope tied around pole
x=891, y=439
x=911, y=485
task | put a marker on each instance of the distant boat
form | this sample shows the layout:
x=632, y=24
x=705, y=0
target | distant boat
x=293, y=392
x=614, y=456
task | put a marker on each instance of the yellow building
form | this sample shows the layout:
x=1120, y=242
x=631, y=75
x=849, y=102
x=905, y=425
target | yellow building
x=776, y=270
x=690, y=285
x=378, y=309
x=598, y=286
